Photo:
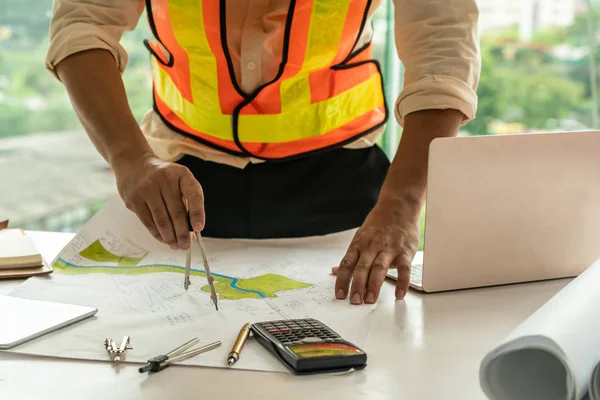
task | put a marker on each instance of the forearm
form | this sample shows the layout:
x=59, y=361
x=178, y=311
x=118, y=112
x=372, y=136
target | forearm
x=98, y=96
x=406, y=181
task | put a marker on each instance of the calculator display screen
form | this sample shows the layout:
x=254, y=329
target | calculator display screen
x=323, y=350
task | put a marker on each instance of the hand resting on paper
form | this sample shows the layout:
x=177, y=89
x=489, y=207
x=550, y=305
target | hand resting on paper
x=389, y=238
x=154, y=190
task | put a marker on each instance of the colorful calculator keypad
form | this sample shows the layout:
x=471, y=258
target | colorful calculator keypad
x=299, y=331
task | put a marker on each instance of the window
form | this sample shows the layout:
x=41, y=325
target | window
x=51, y=176
x=536, y=75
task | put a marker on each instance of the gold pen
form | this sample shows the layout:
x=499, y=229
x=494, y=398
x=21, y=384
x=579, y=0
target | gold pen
x=239, y=345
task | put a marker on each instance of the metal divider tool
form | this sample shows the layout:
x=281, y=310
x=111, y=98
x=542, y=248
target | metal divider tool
x=161, y=362
x=117, y=354
x=188, y=263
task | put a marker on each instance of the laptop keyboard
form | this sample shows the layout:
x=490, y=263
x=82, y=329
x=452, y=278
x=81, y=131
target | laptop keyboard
x=416, y=274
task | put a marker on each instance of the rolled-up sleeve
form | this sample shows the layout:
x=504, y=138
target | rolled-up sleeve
x=438, y=44
x=79, y=25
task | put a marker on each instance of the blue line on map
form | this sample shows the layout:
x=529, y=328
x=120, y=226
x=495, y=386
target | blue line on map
x=137, y=267
x=232, y=284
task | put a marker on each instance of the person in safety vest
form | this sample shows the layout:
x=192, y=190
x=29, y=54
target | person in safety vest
x=266, y=116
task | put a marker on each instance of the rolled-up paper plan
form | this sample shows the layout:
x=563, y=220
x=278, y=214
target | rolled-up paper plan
x=595, y=382
x=552, y=354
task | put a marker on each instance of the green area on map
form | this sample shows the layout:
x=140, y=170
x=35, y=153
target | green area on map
x=97, y=252
x=266, y=285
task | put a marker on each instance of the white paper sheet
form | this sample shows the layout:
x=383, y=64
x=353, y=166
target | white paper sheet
x=552, y=354
x=137, y=285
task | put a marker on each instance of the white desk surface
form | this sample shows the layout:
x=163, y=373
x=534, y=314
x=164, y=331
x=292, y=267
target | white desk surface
x=428, y=346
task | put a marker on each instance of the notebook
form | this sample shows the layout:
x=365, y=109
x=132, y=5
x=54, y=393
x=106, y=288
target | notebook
x=23, y=319
x=19, y=256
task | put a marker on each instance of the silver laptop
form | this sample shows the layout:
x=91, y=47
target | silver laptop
x=509, y=208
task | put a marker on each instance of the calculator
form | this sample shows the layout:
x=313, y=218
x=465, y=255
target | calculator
x=308, y=346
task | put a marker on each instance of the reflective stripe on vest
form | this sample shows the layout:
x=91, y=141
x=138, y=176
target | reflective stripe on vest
x=323, y=95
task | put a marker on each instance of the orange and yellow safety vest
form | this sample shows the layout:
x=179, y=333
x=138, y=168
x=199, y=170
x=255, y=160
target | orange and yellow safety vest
x=325, y=94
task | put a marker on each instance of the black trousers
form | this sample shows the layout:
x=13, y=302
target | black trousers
x=315, y=195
